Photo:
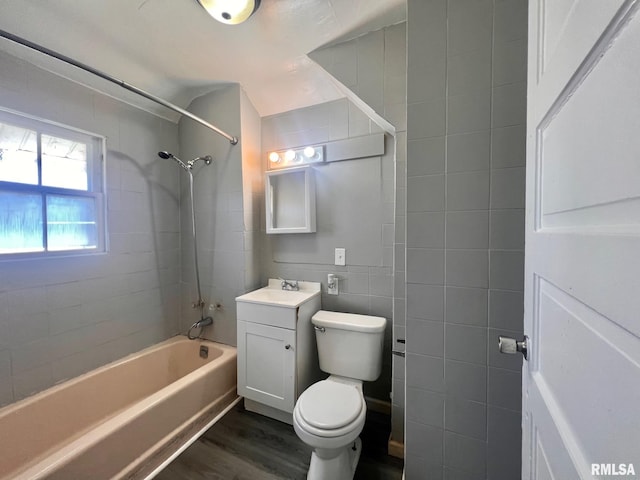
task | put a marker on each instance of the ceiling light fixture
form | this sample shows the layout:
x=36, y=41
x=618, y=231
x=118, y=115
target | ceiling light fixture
x=231, y=12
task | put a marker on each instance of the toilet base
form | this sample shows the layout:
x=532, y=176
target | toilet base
x=335, y=464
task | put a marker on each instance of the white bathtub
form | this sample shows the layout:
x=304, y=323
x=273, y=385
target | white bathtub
x=119, y=421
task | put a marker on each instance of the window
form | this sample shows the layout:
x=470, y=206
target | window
x=51, y=188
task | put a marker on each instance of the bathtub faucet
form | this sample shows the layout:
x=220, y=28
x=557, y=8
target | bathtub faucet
x=289, y=284
x=199, y=325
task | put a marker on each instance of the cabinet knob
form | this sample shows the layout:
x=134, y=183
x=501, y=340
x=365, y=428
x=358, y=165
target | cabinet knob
x=287, y=346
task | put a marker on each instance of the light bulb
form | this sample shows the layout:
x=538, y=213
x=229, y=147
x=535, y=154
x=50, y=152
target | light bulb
x=289, y=155
x=309, y=152
x=274, y=157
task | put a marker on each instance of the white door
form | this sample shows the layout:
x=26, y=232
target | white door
x=266, y=364
x=581, y=385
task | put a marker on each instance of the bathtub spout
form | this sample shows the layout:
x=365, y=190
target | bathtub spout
x=199, y=325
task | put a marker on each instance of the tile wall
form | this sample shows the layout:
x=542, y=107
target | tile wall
x=374, y=67
x=60, y=317
x=226, y=193
x=366, y=287
x=465, y=236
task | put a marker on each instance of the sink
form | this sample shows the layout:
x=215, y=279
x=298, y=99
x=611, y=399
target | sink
x=273, y=294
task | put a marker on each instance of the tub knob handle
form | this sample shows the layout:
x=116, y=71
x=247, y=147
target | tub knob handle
x=287, y=346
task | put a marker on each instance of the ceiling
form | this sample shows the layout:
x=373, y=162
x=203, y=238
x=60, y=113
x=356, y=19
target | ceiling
x=173, y=49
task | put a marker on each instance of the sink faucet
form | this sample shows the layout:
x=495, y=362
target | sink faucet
x=289, y=284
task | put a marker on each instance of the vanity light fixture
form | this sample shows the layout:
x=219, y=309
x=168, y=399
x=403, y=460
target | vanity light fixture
x=295, y=157
x=231, y=12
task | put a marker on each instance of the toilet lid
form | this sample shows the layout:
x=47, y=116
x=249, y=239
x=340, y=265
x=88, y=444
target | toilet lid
x=330, y=405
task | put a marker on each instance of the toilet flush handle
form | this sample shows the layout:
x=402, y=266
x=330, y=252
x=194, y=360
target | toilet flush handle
x=319, y=329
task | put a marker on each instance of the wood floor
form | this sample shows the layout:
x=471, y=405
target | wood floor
x=247, y=446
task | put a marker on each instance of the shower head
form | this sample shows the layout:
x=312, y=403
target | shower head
x=189, y=165
x=165, y=155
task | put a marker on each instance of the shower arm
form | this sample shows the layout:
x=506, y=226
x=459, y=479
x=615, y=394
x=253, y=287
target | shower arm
x=121, y=83
x=207, y=161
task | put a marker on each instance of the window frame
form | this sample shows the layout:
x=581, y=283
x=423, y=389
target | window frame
x=96, y=181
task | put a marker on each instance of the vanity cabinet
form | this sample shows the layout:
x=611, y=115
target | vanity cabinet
x=277, y=353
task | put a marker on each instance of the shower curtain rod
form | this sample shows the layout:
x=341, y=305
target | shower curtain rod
x=126, y=86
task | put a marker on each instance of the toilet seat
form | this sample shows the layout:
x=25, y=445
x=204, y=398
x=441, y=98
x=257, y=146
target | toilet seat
x=329, y=405
x=330, y=409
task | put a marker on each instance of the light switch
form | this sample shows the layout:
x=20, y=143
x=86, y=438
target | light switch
x=341, y=256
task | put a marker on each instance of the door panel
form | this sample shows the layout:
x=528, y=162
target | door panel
x=587, y=172
x=581, y=385
x=545, y=459
x=584, y=343
x=565, y=31
x=266, y=367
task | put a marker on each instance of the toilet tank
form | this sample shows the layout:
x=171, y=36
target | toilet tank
x=349, y=345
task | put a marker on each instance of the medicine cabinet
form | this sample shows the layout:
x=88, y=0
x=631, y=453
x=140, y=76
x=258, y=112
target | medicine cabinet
x=290, y=201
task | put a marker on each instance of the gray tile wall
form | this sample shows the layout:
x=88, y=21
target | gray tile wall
x=226, y=195
x=374, y=67
x=465, y=227
x=62, y=317
x=252, y=190
x=365, y=288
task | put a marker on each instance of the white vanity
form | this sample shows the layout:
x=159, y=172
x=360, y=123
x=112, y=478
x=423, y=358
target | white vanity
x=277, y=357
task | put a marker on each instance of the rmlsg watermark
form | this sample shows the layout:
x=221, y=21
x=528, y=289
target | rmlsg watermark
x=612, y=469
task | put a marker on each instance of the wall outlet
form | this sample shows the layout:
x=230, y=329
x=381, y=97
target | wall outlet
x=341, y=256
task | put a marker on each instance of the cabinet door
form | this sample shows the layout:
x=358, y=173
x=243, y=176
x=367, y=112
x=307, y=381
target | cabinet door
x=266, y=365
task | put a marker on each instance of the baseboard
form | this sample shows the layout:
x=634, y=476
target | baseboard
x=380, y=406
x=395, y=448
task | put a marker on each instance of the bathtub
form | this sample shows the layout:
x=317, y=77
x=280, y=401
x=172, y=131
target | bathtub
x=122, y=420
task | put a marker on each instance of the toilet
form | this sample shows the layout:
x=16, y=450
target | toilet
x=330, y=414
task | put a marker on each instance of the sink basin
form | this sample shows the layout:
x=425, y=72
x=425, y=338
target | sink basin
x=274, y=295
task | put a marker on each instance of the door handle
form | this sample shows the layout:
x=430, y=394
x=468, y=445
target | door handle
x=511, y=346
